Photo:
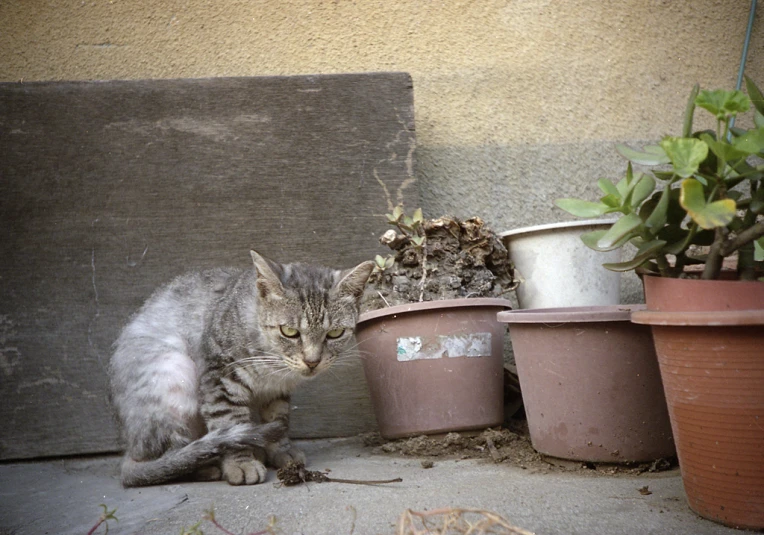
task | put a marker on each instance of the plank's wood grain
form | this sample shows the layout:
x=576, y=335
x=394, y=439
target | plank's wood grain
x=108, y=189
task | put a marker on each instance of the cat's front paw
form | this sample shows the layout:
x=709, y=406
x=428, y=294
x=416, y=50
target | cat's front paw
x=242, y=468
x=279, y=455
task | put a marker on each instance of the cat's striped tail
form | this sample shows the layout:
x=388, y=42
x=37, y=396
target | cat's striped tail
x=184, y=461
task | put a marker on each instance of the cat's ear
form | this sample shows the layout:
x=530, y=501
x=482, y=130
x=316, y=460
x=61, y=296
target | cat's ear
x=353, y=281
x=268, y=281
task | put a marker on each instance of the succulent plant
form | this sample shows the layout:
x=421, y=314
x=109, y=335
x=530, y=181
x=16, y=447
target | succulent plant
x=712, y=199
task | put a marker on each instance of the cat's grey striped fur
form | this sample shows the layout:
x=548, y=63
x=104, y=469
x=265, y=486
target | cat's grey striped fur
x=201, y=376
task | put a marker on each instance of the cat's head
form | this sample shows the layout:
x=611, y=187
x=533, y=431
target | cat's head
x=307, y=314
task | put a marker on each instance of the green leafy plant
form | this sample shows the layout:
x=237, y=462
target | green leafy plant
x=712, y=199
x=104, y=519
x=411, y=226
x=382, y=263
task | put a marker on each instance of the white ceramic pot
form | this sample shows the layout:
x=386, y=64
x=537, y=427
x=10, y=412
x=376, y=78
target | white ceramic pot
x=558, y=270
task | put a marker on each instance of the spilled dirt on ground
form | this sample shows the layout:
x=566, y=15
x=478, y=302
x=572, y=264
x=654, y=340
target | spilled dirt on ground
x=510, y=445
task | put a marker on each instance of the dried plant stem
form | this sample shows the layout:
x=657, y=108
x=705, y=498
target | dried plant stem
x=364, y=481
x=295, y=473
x=453, y=520
x=424, y=273
x=104, y=518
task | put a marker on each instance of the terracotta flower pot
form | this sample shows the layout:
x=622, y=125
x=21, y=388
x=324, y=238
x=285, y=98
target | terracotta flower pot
x=435, y=366
x=590, y=384
x=712, y=365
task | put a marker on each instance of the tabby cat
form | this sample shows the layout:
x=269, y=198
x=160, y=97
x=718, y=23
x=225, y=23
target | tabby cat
x=202, y=374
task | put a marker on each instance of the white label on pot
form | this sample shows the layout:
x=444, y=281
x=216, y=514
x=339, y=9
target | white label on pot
x=453, y=345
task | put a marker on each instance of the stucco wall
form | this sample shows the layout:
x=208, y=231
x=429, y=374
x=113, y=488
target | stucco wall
x=517, y=101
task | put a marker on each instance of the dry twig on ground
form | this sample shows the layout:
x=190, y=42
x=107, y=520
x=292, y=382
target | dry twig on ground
x=456, y=521
x=295, y=473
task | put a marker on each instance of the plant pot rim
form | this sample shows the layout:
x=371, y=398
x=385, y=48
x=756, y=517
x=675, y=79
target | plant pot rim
x=590, y=314
x=435, y=305
x=690, y=280
x=716, y=318
x=554, y=226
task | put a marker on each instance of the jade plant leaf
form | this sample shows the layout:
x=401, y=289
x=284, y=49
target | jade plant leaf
x=591, y=238
x=757, y=99
x=757, y=201
x=689, y=111
x=622, y=229
x=659, y=215
x=758, y=119
x=649, y=155
x=643, y=188
x=608, y=188
x=645, y=253
x=758, y=250
x=685, y=153
x=723, y=103
x=724, y=151
x=751, y=142
x=581, y=208
x=707, y=215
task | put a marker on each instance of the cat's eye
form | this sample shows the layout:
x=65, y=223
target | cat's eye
x=289, y=332
x=335, y=333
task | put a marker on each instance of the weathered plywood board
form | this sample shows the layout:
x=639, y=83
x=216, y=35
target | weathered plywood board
x=108, y=189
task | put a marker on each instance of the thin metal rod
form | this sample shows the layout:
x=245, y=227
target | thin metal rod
x=744, y=54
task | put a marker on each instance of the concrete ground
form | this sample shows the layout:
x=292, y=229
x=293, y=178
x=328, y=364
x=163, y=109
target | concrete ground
x=62, y=497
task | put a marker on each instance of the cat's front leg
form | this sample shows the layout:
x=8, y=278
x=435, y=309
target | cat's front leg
x=226, y=402
x=278, y=454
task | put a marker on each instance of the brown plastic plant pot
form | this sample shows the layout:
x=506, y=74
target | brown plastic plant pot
x=670, y=294
x=435, y=366
x=591, y=384
x=712, y=365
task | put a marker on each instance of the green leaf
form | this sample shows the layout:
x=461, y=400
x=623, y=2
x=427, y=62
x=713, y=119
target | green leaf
x=398, y=212
x=707, y=215
x=646, y=252
x=757, y=200
x=621, y=229
x=758, y=250
x=758, y=119
x=658, y=216
x=723, y=103
x=757, y=99
x=608, y=188
x=752, y=142
x=724, y=151
x=622, y=187
x=642, y=189
x=417, y=217
x=581, y=208
x=611, y=201
x=685, y=153
x=689, y=112
x=591, y=238
x=418, y=240
x=650, y=155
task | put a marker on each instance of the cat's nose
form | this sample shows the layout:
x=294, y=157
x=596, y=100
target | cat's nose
x=312, y=364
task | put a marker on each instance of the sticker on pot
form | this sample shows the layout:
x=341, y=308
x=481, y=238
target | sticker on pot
x=450, y=346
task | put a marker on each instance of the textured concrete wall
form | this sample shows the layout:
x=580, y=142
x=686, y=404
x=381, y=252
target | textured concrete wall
x=517, y=101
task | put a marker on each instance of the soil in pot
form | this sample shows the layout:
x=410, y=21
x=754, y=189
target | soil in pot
x=460, y=258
